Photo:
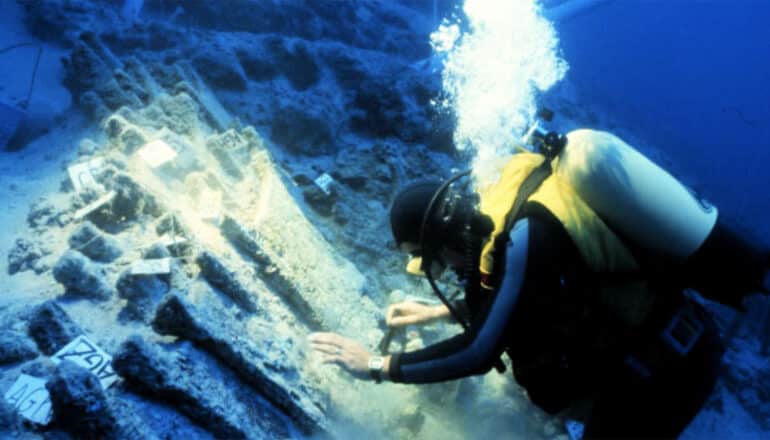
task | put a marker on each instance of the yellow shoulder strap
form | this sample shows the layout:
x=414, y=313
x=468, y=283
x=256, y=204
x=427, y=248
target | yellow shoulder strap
x=497, y=200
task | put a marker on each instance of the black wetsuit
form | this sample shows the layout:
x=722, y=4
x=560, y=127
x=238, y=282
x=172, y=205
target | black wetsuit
x=565, y=345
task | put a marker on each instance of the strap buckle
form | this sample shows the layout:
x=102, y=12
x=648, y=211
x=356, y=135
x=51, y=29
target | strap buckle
x=683, y=331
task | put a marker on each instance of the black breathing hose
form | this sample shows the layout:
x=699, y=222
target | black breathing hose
x=25, y=104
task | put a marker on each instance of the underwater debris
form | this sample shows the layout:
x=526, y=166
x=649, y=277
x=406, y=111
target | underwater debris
x=16, y=347
x=46, y=212
x=10, y=423
x=260, y=360
x=294, y=61
x=184, y=378
x=94, y=244
x=141, y=293
x=51, y=328
x=79, y=404
x=225, y=280
x=321, y=201
x=27, y=255
x=81, y=277
x=300, y=131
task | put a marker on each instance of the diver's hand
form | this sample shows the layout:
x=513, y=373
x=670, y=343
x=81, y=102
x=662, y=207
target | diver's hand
x=410, y=312
x=346, y=353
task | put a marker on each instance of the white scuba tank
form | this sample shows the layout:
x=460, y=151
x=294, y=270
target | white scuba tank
x=635, y=196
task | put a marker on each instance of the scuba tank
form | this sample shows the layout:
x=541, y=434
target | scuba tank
x=627, y=190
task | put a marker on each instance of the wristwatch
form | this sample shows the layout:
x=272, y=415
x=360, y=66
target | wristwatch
x=376, y=364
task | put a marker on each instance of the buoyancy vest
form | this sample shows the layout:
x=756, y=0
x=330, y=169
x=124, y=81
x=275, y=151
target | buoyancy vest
x=601, y=249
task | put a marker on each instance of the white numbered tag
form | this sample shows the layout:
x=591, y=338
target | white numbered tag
x=30, y=398
x=155, y=266
x=81, y=174
x=324, y=182
x=156, y=153
x=86, y=354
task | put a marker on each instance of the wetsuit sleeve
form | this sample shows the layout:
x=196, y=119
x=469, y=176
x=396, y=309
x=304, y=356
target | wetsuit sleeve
x=476, y=350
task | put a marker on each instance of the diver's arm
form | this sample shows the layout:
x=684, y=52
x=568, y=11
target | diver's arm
x=476, y=350
x=410, y=312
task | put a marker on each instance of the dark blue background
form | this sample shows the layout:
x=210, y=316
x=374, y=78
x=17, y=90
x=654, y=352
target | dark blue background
x=693, y=79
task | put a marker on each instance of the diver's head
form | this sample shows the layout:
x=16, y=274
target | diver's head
x=434, y=222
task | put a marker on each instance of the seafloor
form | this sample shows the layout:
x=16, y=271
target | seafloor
x=253, y=102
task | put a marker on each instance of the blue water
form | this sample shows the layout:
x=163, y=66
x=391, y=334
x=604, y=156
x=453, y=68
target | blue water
x=693, y=79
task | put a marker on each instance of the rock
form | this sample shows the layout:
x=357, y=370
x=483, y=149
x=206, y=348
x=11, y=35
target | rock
x=51, y=328
x=321, y=202
x=132, y=139
x=81, y=277
x=349, y=72
x=301, y=132
x=79, y=404
x=156, y=251
x=84, y=67
x=381, y=110
x=367, y=170
x=220, y=68
x=87, y=147
x=129, y=203
x=181, y=112
x=94, y=244
x=10, y=423
x=24, y=255
x=142, y=293
x=225, y=280
x=302, y=179
x=169, y=225
x=295, y=62
x=264, y=363
x=201, y=390
x=93, y=105
x=46, y=212
x=257, y=66
x=15, y=347
x=412, y=418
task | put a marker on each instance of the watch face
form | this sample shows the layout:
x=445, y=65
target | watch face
x=376, y=363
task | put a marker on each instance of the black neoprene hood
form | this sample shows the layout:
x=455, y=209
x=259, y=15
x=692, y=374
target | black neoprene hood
x=408, y=209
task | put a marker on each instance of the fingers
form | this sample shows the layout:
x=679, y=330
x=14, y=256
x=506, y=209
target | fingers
x=393, y=311
x=325, y=338
x=402, y=321
x=326, y=348
x=402, y=309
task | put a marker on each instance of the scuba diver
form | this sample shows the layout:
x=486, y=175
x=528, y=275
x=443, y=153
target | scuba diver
x=577, y=263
